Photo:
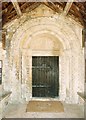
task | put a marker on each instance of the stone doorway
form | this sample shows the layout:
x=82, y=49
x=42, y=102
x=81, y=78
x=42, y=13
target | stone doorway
x=45, y=76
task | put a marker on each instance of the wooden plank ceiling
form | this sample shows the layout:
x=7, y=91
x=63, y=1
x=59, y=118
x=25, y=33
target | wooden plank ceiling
x=11, y=10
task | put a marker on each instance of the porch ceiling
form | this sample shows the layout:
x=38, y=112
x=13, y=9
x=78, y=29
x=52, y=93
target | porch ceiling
x=12, y=10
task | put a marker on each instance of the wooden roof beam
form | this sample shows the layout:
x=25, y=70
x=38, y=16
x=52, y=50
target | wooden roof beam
x=16, y=6
x=67, y=7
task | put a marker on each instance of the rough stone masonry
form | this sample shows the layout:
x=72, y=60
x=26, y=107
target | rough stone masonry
x=42, y=32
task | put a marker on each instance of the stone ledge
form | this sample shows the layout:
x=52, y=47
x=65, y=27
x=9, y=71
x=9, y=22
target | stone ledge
x=82, y=96
x=4, y=99
x=4, y=95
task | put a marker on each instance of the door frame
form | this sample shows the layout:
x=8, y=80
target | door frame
x=47, y=53
x=28, y=82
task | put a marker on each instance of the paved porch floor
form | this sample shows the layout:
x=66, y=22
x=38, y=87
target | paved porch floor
x=19, y=111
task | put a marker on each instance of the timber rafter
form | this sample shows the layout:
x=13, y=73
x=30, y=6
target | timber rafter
x=76, y=9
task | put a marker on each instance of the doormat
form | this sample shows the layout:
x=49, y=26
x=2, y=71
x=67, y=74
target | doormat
x=45, y=106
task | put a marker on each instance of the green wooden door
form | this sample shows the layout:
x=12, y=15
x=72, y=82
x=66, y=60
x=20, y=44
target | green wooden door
x=45, y=76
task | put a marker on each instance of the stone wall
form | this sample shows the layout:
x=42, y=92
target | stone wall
x=2, y=54
x=44, y=32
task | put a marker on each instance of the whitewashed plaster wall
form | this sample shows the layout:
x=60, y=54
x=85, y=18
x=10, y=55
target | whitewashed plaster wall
x=44, y=32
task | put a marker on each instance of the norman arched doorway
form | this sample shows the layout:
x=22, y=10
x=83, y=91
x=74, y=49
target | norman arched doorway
x=46, y=39
x=44, y=65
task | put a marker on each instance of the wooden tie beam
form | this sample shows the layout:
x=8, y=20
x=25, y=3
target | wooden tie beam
x=16, y=6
